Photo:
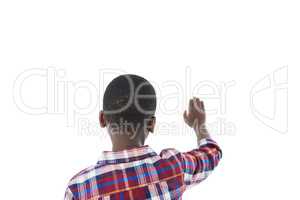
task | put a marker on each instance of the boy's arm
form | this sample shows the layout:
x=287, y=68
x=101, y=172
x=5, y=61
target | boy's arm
x=198, y=163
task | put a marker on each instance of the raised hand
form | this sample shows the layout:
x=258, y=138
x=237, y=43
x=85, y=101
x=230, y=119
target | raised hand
x=196, y=117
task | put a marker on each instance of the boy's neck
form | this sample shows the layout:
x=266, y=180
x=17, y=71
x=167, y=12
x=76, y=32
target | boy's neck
x=126, y=140
x=125, y=146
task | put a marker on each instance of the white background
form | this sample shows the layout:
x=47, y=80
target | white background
x=219, y=41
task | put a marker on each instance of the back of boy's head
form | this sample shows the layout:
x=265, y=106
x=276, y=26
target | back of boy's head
x=129, y=99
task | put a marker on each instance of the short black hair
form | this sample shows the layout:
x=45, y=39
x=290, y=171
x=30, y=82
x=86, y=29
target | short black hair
x=129, y=98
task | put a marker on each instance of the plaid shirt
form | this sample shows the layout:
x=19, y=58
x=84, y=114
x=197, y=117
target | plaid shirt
x=140, y=173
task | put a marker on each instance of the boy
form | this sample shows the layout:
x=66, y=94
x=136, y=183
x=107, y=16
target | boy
x=132, y=170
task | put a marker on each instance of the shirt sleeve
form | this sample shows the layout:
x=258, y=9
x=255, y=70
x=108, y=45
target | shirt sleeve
x=69, y=195
x=199, y=163
x=196, y=164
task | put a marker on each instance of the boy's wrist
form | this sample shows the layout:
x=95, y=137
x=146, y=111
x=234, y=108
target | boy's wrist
x=201, y=132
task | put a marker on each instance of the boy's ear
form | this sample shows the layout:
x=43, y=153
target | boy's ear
x=102, y=119
x=151, y=124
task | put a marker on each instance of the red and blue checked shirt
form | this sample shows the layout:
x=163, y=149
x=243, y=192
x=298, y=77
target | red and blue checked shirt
x=140, y=174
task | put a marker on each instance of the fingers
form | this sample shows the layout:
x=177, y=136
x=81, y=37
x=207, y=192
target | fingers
x=196, y=105
x=199, y=105
x=195, y=112
x=191, y=106
x=202, y=105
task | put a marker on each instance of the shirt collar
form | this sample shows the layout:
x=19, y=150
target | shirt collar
x=128, y=155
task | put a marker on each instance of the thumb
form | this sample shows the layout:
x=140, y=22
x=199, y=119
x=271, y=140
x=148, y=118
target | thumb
x=185, y=117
